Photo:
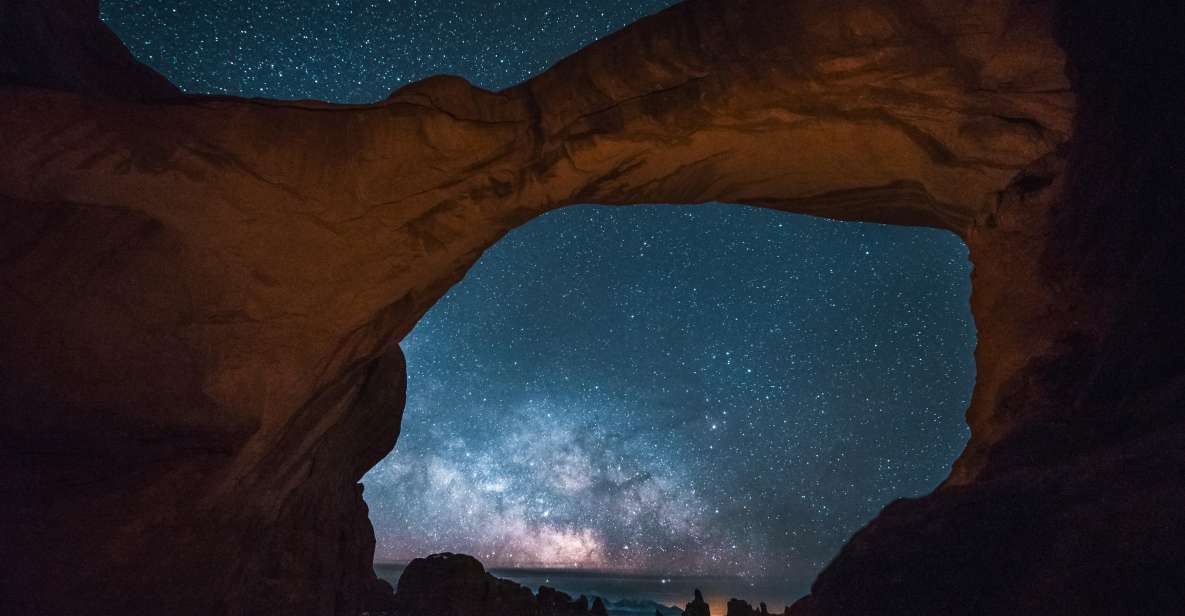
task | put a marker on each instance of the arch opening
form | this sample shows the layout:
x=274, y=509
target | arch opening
x=695, y=395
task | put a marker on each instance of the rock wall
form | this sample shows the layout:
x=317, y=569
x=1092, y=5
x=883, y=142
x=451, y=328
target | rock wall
x=204, y=296
x=1069, y=498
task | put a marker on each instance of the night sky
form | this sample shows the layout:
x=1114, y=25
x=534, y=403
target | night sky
x=709, y=390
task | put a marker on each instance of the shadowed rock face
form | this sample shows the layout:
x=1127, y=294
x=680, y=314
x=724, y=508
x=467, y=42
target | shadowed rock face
x=1069, y=498
x=61, y=44
x=204, y=296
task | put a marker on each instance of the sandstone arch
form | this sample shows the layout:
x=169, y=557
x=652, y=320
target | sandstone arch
x=206, y=294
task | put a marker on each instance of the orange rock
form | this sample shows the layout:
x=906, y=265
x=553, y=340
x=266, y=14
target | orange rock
x=204, y=295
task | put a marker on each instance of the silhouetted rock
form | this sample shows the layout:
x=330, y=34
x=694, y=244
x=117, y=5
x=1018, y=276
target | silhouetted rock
x=555, y=603
x=377, y=598
x=697, y=607
x=738, y=607
x=458, y=585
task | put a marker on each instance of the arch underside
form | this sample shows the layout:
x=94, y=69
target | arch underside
x=207, y=293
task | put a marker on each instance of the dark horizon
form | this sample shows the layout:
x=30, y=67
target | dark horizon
x=494, y=568
x=617, y=587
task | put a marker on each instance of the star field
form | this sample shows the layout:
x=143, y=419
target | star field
x=707, y=389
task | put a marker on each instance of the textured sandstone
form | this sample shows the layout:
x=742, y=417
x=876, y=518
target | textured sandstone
x=204, y=296
x=1069, y=497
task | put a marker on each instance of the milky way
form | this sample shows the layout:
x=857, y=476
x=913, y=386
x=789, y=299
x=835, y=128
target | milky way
x=710, y=389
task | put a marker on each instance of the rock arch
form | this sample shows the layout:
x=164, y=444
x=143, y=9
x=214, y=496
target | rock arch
x=205, y=295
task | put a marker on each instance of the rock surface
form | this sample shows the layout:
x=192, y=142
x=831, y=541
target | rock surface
x=1069, y=498
x=204, y=296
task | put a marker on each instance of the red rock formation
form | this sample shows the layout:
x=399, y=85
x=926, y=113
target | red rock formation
x=1069, y=497
x=204, y=296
